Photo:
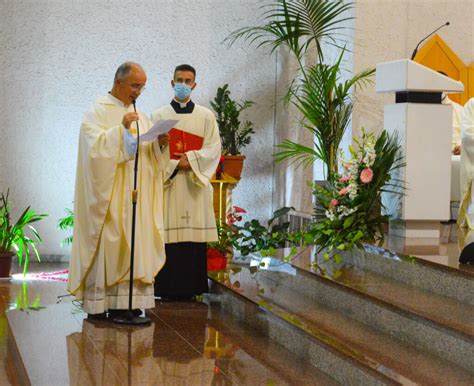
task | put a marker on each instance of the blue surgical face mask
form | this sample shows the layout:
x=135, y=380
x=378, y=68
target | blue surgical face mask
x=182, y=91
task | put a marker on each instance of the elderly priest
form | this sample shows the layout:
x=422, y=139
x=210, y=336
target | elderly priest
x=100, y=262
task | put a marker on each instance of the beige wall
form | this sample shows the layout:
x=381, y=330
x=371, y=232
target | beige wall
x=390, y=29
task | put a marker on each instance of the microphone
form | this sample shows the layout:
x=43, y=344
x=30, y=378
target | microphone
x=422, y=40
x=138, y=128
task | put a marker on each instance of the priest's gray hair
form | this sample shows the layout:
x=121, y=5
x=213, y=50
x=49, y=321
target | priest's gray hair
x=124, y=69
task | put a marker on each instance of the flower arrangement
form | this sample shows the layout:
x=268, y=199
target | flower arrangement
x=349, y=208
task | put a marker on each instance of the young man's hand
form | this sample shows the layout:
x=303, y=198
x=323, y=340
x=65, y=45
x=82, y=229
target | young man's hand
x=183, y=161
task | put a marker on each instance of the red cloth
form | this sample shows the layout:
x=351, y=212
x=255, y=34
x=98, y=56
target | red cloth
x=182, y=141
x=216, y=261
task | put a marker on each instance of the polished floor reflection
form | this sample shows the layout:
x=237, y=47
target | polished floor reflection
x=445, y=250
x=186, y=344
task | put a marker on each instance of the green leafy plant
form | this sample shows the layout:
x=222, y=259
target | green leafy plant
x=316, y=90
x=234, y=134
x=297, y=25
x=252, y=236
x=227, y=232
x=326, y=103
x=349, y=208
x=14, y=236
x=66, y=223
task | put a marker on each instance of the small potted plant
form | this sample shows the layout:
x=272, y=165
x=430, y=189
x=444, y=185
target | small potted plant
x=218, y=252
x=234, y=134
x=13, y=236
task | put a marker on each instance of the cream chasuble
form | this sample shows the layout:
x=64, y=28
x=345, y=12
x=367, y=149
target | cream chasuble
x=457, y=118
x=100, y=259
x=466, y=210
x=189, y=210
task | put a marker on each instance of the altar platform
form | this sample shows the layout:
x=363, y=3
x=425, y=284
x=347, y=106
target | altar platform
x=378, y=318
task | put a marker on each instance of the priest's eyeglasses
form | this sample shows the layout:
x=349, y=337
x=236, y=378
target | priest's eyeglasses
x=137, y=87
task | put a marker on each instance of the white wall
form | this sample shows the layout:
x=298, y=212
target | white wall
x=390, y=29
x=57, y=56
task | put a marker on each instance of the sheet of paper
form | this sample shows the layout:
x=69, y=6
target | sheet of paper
x=160, y=127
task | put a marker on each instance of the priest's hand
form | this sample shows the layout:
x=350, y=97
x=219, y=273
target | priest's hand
x=457, y=150
x=183, y=161
x=163, y=140
x=128, y=119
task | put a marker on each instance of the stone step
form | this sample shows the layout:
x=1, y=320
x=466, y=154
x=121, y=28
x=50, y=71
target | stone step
x=324, y=334
x=449, y=312
x=439, y=324
x=456, y=283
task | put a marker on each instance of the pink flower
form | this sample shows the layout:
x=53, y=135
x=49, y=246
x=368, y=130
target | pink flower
x=343, y=191
x=334, y=202
x=344, y=179
x=366, y=175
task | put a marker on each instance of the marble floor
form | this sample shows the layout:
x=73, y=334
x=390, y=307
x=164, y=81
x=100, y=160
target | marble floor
x=445, y=250
x=187, y=343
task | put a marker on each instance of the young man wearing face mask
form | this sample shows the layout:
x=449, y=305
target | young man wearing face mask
x=188, y=204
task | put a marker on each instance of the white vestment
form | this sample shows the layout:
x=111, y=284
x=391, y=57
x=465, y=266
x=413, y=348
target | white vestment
x=457, y=118
x=466, y=211
x=189, y=211
x=100, y=260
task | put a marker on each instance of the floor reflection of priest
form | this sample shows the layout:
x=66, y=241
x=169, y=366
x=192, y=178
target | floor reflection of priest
x=154, y=355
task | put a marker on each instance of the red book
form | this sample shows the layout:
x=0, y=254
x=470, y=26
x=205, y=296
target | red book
x=182, y=141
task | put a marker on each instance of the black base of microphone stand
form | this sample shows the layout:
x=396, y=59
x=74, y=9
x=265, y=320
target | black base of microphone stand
x=128, y=319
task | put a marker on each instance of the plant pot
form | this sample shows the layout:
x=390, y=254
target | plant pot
x=6, y=264
x=216, y=260
x=233, y=165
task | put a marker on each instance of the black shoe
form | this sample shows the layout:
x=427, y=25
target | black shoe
x=100, y=316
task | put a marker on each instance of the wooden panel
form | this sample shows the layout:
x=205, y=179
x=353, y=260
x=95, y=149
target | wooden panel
x=437, y=55
x=471, y=80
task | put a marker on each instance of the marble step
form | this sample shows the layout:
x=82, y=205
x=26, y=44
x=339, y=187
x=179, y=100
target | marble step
x=456, y=283
x=327, y=337
x=436, y=323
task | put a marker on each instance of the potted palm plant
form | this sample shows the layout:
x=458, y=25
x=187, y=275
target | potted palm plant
x=234, y=134
x=302, y=26
x=326, y=104
x=14, y=238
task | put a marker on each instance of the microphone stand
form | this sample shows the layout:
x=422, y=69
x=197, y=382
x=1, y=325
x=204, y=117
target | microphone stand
x=128, y=317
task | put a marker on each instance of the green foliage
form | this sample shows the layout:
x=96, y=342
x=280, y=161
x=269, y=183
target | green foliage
x=255, y=237
x=66, y=223
x=326, y=103
x=234, y=135
x=297, y=25
x=316, y=90
x=14, y=235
